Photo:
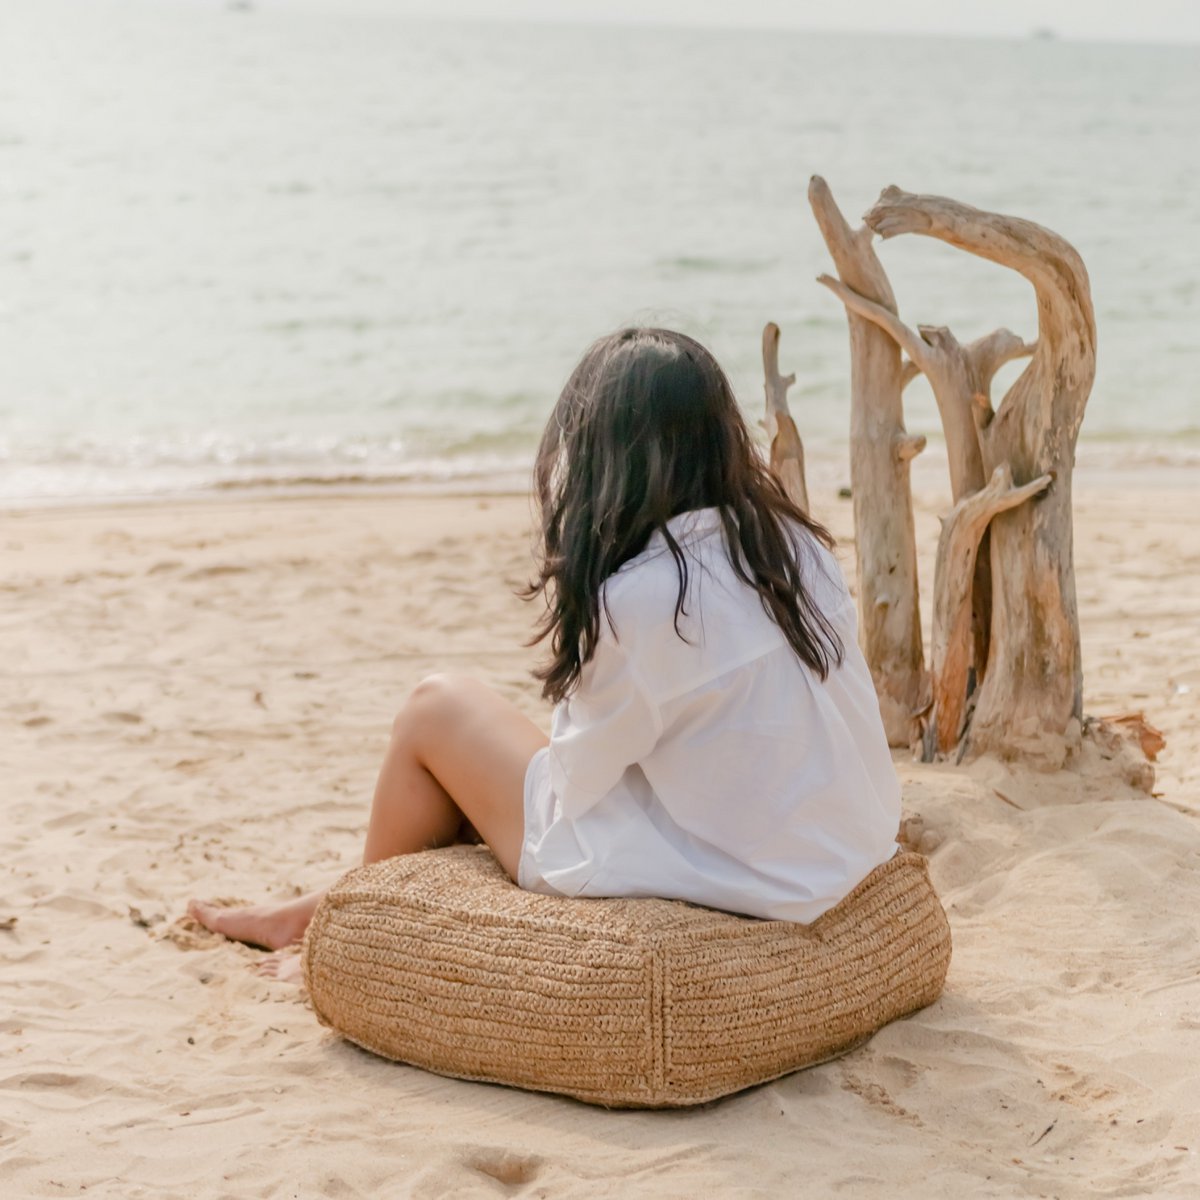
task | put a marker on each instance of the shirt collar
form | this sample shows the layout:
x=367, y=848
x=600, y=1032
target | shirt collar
x=695, y=523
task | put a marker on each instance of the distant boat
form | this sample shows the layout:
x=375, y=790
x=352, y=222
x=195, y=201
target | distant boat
x=1043, y=33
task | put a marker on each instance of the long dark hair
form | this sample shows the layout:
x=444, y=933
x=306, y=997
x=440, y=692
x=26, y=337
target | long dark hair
x=647, y=428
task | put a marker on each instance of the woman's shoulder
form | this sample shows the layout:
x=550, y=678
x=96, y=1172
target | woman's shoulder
x=646, y=585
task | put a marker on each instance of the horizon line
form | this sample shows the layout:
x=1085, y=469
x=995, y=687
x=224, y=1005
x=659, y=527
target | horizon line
x=1042, y=34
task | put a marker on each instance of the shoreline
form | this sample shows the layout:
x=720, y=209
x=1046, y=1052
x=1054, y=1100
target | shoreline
x=825, y=469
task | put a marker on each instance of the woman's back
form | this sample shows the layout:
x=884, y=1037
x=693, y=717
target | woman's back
x=708, y=763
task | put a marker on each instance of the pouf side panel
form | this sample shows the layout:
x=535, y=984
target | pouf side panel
x=570, y=1018
x=750, y=1003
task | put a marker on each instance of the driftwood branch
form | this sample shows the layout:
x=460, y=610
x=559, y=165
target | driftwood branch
x=885, y=543
x=1051, y=264
x=986, y=355
x=954, y=579
x=907, y=339
x=852, y=252
x=787, y=450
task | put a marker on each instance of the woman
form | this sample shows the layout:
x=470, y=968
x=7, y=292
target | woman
x=716, y=736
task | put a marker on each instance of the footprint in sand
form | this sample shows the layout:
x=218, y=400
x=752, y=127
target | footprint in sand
x=511, y=1170
x=876, y=1095
x=123, y=718
x=916, y=835
x=216, y=570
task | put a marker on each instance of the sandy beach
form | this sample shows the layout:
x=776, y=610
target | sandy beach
x=194, y=699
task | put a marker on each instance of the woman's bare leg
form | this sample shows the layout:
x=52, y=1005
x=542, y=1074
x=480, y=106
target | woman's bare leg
x=458, y=755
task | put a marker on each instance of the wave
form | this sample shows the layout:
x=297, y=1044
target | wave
x=142, y=467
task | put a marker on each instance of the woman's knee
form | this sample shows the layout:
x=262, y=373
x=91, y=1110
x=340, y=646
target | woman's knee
x=435, y=699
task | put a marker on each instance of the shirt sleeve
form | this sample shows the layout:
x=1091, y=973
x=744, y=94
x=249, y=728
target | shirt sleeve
x=605, y=726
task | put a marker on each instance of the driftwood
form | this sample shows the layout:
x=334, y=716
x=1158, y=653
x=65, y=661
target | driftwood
x=787, y=450
x=1005, y=676
x=1029, y=702
x=880, y=452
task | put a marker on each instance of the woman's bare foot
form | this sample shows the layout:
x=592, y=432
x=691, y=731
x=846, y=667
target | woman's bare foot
x=272, y=926
x=282, y=966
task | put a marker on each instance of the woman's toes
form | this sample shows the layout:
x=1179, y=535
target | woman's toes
x=206, y=913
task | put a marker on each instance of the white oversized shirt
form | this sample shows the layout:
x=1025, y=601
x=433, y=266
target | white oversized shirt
x=719, y=769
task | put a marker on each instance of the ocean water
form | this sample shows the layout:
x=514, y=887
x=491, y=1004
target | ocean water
x=269, y=244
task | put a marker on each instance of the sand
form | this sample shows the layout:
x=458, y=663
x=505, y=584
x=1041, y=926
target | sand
x=193, y=700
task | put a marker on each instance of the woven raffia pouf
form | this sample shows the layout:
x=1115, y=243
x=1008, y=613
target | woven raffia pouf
x=438, y=960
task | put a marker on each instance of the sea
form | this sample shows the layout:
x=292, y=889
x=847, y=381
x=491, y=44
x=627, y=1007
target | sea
x=251, y=246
